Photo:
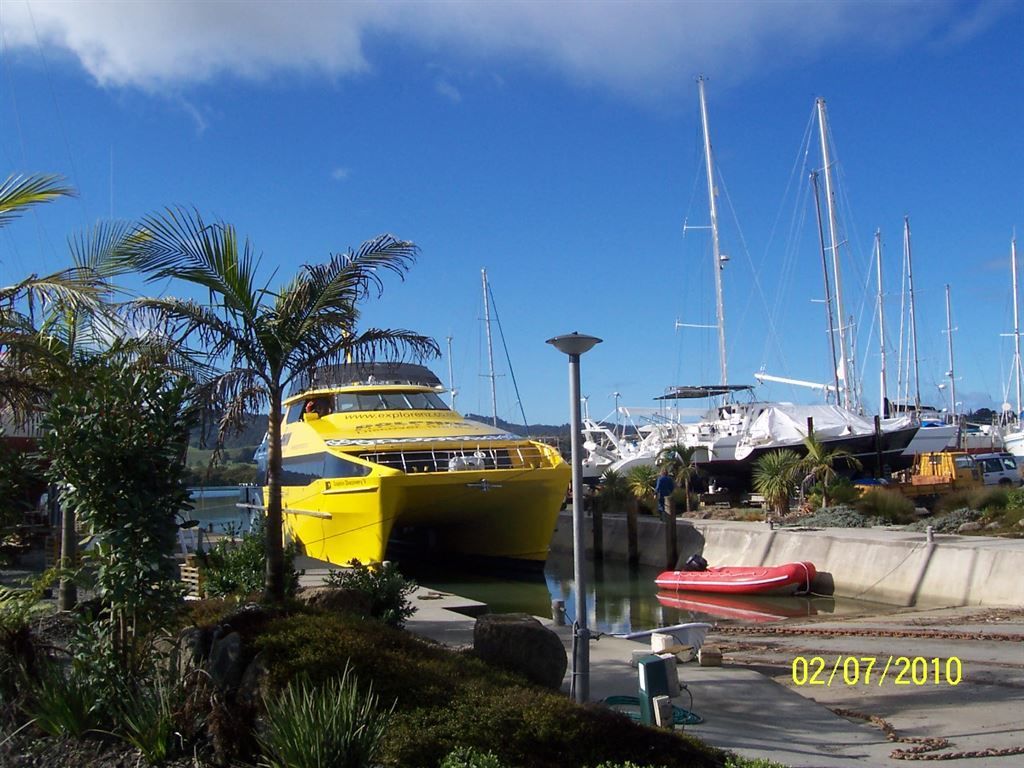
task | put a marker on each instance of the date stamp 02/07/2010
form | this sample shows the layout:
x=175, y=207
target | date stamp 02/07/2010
x=876, y=670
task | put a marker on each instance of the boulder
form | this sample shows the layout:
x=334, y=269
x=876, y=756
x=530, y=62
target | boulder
x=969, y=526
x=250, y=689
x=519, y=643
x=337, y=600
x=226, y=665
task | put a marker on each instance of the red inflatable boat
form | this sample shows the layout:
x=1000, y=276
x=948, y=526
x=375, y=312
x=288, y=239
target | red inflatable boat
x=785, y=579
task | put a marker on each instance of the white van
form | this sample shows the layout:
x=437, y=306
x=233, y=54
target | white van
x=999, y=469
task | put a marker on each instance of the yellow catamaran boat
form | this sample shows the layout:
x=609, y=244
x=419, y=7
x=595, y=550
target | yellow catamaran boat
x=371, y=451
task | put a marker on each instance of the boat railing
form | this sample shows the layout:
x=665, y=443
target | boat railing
x=459, y=459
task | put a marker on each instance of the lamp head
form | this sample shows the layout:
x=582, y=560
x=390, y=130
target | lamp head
x=573, y=343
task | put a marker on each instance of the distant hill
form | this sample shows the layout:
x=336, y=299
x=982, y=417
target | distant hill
x=252, y=432
x=533, y=430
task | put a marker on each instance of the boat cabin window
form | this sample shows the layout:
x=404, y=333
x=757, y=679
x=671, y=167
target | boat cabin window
x=348, y=402
x=294, y=412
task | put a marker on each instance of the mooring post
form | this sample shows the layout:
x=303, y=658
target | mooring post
x=671, y=550
x=631, y=533
x=597, y=514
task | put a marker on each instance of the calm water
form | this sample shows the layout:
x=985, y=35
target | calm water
x=617, y=601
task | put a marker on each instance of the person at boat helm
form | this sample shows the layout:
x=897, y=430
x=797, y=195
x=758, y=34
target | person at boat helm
x=663, y=488
x=321, y=406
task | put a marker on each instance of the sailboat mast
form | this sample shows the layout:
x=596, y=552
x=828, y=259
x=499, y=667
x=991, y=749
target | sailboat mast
x=1016, y=324
x=913, y=316
x=719, y=262
x=490, y=350
x=844, y=356
x=882, y=389
x=952, y=372
x=828, y=290
x=451, y=375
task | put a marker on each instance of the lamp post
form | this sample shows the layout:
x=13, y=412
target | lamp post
x=575, y=344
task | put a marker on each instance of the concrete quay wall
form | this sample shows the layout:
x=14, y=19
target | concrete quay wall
x=877, y=564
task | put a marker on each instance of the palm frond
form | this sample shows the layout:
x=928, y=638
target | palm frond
x=18, y=193
x=181, y=244
x=101, y=248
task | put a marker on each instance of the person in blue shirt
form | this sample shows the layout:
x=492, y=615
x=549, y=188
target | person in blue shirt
x=663, y=488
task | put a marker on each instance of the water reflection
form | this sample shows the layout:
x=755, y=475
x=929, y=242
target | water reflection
x=619, y=601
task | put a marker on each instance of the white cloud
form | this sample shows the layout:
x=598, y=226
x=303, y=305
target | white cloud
x=634, y=48
x=340, y=174
x=448, y=90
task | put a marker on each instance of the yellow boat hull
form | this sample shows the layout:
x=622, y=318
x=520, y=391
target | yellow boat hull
x=498, y=513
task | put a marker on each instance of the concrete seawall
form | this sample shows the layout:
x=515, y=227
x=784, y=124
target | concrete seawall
x=886, y=566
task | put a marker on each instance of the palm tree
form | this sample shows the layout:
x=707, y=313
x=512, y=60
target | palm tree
x=819, y=464
x=775, y=478
x=614, y=491
x=268, y=338
x=679, y=460
x=640, y=480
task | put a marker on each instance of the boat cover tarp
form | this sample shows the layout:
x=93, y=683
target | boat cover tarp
x=787, y=424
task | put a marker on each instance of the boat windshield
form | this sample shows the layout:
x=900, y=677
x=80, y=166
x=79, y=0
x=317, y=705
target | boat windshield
x=348, y=402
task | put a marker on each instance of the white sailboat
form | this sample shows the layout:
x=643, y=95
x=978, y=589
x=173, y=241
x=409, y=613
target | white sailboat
x=733, y=434
x=1013, y=432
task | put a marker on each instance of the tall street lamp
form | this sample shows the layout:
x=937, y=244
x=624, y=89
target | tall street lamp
x=575, y=344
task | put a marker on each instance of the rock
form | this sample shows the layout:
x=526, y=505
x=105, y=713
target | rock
x=969, y=526
x=225, y=665
x=337, y=600
x=1020, y=523
x=993, y=526
x=194, y=646
x=520, y=643
x=250, y=689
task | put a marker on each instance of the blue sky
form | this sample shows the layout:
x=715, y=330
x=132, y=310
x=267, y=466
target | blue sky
x=557, y=146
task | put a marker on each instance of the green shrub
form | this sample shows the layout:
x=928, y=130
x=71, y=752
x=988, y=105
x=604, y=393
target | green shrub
x=541, y=729
x=735, y=761
x=238, y=566
x=446, y=700
x=467, y=757
x=891, y=506
x=1015, y=498
x=388, y=590
x=982, y=499
x=989, y=499
x=324, y=724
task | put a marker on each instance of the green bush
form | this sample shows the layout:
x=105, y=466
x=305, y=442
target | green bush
x=735, y=761
x=238, y=566
x=891, y=506
x=325, y=724
x=991, y=498
x=445, y=700
x=388, y=590
x=467, y=757
x=982, y=499
x=1015, y=498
